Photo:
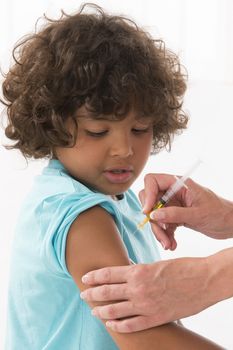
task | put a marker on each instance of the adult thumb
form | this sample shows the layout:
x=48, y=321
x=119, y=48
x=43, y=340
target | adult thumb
x=173, y=215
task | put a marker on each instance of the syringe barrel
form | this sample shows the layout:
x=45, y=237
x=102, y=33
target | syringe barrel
x=178, y=184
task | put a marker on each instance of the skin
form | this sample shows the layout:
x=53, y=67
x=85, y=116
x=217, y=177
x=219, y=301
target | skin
x=194, y=207
x=104, y=144
x=119, y=145
x=91, y=246
x=211, y=277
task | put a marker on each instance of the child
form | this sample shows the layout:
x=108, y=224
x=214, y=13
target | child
x=93, y=93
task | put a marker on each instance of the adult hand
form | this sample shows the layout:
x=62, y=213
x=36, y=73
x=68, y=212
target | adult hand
x=195, y=207
x=165, y=291
x=153, y=293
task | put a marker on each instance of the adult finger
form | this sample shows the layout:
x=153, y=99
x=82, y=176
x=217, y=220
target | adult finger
x=171, y=234
x=161, y=235
x=175, y=215
x=155, y=183
x=114, y=311
x=141, y=196
x=151, y=190
x=105, y=293
x=132, y=324
x=114, y=274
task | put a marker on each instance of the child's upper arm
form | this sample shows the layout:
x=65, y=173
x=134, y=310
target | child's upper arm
x=94, y=242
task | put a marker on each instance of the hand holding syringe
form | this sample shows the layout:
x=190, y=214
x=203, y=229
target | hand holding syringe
x=178, y=184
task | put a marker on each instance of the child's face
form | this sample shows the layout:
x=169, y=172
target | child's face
x=108, y=155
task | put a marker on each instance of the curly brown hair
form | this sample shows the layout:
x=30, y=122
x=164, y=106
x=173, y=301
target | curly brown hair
x=94, y=59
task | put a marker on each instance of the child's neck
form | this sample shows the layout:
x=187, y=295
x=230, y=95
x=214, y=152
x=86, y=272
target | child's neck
x=118, y=197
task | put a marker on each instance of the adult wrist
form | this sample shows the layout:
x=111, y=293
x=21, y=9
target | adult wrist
x=220, y=276
x=226, y=217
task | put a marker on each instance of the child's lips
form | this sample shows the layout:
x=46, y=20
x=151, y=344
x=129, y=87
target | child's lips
x=118, y=175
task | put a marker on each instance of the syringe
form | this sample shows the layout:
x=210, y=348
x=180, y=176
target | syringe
x=178, y=184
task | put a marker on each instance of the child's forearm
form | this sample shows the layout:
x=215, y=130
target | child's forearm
x=169, y=336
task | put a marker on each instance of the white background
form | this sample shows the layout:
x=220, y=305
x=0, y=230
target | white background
x=201, y=32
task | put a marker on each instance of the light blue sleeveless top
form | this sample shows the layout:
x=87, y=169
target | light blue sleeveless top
x=44, y=306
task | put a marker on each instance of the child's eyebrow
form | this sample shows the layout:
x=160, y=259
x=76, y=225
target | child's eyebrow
x=87, y=115
x=84, y=115
x=90, y=118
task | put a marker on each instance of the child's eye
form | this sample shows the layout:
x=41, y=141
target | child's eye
x=96, y=134
x=140, y=131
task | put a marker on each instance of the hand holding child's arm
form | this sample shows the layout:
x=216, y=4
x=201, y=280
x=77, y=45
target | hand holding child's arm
x=188, y=284
x=197, y=208
x=91, y=246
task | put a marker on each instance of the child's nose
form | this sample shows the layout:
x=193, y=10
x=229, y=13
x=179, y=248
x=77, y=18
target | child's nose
x=122, y=147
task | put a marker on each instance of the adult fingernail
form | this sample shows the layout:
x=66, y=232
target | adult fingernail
x=82, y=295
x=85, y=279
x=163, y=245
x=162, y=225
x=157, y=214
x=94, y=312
x=109, y=324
